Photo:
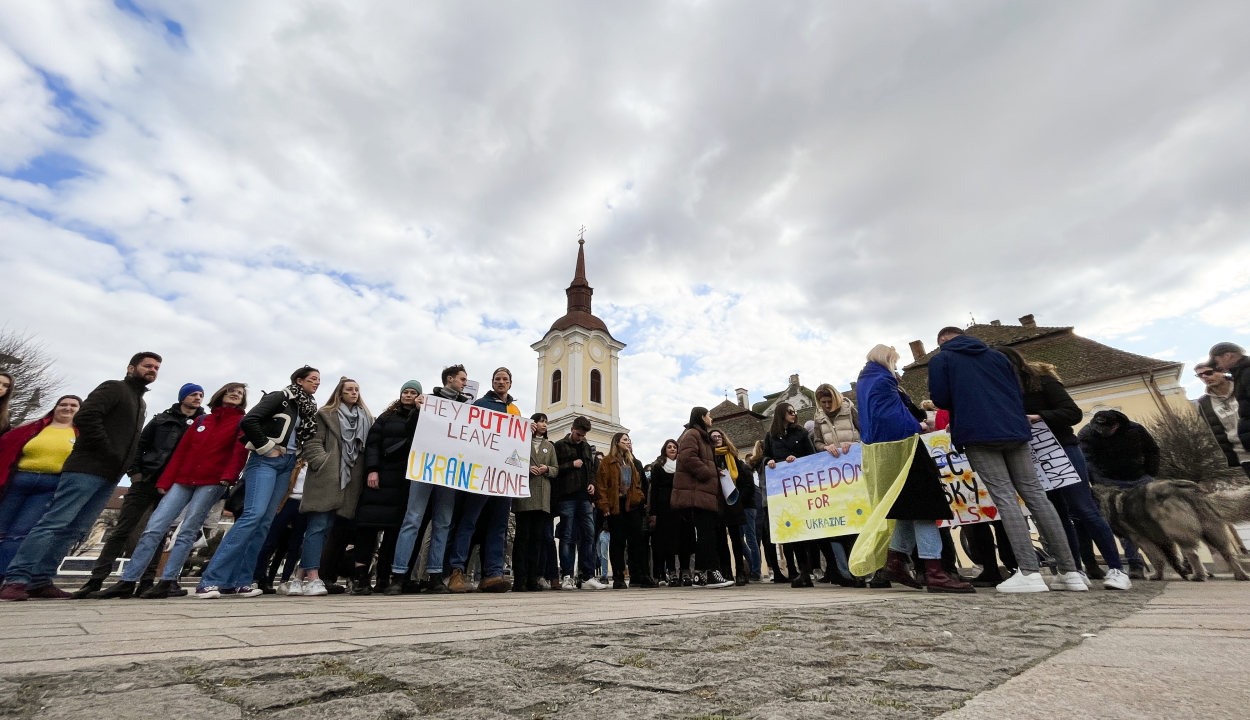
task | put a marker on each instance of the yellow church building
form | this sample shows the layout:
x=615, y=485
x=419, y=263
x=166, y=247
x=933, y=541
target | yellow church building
x=577, y=367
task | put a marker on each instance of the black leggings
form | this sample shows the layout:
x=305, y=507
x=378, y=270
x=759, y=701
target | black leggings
x=367, y=544
x=527, y=547
x=708, y=527
x=625, y=529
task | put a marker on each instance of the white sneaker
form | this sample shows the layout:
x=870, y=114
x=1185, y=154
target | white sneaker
x=568, y=583
x=1022, y=582
x=1085, y=579
x=295, y=587
x=595, y=584
x=544, y=584
x=1117, y=580
x=315, y=587
x=1071, y=581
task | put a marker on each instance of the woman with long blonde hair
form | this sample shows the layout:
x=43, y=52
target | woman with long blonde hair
x=620, y=494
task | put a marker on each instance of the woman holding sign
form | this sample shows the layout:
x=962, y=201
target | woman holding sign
x=1047, y=401
x=896, y=459
x=787, y=441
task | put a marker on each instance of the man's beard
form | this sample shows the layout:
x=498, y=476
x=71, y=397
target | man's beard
x=142, y=379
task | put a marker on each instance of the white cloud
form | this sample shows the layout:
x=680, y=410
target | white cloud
x=383, y=189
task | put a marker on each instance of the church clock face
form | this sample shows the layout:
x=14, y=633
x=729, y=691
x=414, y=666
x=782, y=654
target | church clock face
x=597, y=352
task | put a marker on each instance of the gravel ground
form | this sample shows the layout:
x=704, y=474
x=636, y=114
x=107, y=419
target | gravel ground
x=910, y=655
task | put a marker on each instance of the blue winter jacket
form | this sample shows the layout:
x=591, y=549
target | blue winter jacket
x=980, y=389
x=883, y=415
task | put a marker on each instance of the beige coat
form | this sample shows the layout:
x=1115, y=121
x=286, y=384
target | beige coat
x=842, y=427
x=324, y=455
x=542, y=452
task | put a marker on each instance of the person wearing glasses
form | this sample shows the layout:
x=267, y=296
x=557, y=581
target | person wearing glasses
x=1218, y=406
x=787, y=441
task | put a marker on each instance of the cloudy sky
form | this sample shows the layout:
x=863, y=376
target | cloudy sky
x=380, y=189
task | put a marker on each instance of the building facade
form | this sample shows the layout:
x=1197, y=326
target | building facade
x=577, y=367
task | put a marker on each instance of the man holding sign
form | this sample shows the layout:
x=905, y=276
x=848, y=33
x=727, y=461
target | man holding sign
x=492, y=509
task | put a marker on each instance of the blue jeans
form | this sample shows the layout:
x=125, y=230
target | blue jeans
x=198, y=500
x=420, y=497
x=493, y=511
x=752, y=541
x=288, y=519
x=265, y=483
x=78, y=501
x=577, y=525
x=908, y=534
x=26, y=499
x=319, y=524
x=1079, y=511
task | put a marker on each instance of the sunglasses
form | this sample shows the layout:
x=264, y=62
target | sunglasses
x=1205, y=373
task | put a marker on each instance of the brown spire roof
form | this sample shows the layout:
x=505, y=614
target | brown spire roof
x=579, y=313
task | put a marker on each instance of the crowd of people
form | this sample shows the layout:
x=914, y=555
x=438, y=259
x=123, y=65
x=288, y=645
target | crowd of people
x=323, y=494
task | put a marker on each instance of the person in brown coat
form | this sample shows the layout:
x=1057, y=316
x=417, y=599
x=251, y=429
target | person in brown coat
x=696, y=491
x=620, y=494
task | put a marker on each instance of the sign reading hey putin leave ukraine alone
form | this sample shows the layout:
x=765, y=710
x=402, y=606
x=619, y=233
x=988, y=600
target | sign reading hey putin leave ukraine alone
x=817, y=496
x=469, y=448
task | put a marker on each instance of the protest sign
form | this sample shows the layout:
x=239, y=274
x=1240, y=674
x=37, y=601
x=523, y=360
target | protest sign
x=970, y=501
x=1054, y=467
x=471, y=448
x=817, y=496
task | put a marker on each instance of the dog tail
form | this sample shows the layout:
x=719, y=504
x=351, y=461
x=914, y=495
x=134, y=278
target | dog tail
x=1232, y=505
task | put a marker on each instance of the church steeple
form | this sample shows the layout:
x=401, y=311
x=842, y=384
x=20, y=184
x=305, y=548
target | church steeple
x=579, y=292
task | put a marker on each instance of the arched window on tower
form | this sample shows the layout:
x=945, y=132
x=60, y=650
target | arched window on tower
x=556, y=387
x=596, y=387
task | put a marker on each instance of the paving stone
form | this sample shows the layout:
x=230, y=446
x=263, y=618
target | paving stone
x=383, y=706
x=178, y=701
x=263, y=696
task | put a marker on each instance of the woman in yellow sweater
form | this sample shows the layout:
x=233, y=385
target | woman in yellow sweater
x=30, y=466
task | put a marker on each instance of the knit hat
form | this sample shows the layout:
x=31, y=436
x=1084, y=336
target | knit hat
x=187, y=389
x=411, y=385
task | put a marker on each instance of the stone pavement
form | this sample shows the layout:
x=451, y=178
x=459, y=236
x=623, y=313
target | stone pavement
x=1184, y=655
x=757, y=653
x=43, y=636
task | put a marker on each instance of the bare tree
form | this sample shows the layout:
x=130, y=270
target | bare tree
x=1187, y=449
x=36, y=383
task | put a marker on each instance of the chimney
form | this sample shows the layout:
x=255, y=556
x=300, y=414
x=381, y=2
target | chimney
x=852, y=386
x=744, y=400
x=917, y=350
x=794, y=380
x=996, y=322
x=1028, y=321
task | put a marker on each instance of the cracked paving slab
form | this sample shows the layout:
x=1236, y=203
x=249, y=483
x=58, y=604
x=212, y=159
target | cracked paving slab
x=899, y=655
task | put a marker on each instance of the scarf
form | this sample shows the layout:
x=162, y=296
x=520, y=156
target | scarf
x=307, y=408
x=730, y=462
x=354, y=426
x=670, y=465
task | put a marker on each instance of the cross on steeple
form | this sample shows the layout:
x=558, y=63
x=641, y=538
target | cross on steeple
x=581, y=236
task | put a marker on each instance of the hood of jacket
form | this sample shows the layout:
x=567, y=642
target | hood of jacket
x=965, y=345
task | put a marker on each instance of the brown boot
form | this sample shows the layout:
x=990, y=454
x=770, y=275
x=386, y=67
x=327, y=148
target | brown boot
x=497, y=584
x=939, y=582
x=896, y=568
x=456, y=582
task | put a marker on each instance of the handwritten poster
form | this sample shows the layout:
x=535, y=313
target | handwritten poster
x=470, y=448
x=817, y=496
x=1054, y=467
x=970, y=501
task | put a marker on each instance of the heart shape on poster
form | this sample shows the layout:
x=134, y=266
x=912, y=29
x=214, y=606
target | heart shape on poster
x=990, y=512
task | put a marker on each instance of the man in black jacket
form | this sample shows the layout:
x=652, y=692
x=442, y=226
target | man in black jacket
x=156, y=445
x=108, y=437
x=1218, y=406
x=572, y=489
x=1231, y=358
x=1124, y=454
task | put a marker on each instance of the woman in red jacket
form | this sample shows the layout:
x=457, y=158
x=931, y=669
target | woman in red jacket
x=209, y=459
x=30, y=467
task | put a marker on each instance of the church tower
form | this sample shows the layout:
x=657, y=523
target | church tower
x=577, y=362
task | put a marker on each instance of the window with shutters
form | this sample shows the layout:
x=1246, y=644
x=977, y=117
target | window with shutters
x=596, y=387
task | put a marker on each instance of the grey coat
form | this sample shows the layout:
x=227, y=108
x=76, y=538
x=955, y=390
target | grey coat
x=542, y=452
x=324, y=455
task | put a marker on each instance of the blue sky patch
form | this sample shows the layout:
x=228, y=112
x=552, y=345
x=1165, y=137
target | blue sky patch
x=48, y=169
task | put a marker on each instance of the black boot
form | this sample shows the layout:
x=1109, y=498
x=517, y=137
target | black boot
x=158, y=591
x=92, y=585
x=395, y=588
x=143, y=586
x=360, y=582
x=436, y=585
x=122, y=590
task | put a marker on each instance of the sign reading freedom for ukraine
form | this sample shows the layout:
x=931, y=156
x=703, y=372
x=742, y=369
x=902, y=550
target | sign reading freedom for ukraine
x=469, y=448
x=817, y=496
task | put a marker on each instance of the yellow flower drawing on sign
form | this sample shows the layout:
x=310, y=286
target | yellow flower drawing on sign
x=789, y=527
